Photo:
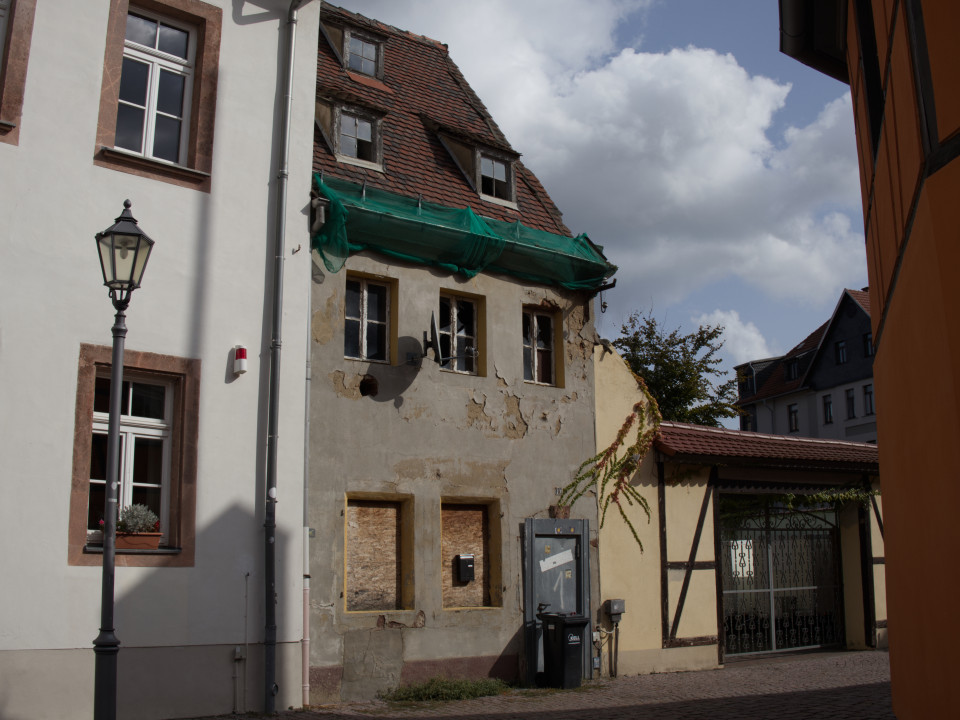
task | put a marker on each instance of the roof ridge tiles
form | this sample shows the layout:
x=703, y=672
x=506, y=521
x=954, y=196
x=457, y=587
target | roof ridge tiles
x=384, y=27
x=766, y=436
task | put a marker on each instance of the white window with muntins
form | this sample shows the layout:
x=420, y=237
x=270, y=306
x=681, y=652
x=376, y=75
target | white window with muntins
x=146, y=412
x=495, y=178
x=156, y=86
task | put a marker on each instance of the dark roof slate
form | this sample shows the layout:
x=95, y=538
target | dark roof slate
x=422, y=89
x=772, y=378
x=687, y=440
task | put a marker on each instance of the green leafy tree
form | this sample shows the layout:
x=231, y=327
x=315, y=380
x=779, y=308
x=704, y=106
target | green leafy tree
x=682, y=372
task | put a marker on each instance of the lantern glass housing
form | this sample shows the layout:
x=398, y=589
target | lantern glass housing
x=124, y=250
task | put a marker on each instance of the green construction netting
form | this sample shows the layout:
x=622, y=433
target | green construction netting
x=457, y=240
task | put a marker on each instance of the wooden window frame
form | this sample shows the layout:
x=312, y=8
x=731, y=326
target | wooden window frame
x=390, y=355
x=476, y=332
x=556, y=348
x=183, y=376
x=14, y=54
x=157, y=62
x=511, y=181
x=492, y=543
x=348, y=35
x=195, y=171
x=405, y=552
x=376, y=141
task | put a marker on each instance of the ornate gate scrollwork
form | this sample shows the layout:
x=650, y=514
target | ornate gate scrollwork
x=781, y=578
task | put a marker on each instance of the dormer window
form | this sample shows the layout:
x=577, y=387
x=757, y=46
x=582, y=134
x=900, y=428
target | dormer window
x=362, y=55
x=491, y=173
x=356, y=137
x=494, y=178
x=352, y=133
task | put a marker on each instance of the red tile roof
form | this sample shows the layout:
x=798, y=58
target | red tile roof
x=719, y=444
x=862, y=297
x=422, y=89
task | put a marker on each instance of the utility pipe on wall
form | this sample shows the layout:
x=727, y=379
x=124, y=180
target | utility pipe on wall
x=270, y=687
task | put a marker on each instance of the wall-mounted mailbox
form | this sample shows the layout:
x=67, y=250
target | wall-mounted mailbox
x=464, y=567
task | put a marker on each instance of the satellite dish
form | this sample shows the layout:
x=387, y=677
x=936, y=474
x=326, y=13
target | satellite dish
x=435, y=339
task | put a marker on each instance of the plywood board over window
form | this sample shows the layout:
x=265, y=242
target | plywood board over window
x=374, y=555
x=466, y=529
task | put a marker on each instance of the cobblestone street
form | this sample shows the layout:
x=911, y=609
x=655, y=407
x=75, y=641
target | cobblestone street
x=834, y=686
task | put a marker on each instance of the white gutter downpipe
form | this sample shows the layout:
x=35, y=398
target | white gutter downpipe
x=305, y=643
x=270, y=687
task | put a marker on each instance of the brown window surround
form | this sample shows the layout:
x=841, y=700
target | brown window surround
x=184, y=374
x=207, y=20
x=13, y=68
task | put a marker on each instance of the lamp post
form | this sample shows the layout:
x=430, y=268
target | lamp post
x=124, y=250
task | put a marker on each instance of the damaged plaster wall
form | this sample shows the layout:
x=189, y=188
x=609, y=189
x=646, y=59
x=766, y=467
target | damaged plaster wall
x=426, y=438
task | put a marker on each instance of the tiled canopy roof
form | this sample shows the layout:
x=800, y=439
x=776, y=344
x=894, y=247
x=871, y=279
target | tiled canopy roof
x=421, y=92
x=686, y=441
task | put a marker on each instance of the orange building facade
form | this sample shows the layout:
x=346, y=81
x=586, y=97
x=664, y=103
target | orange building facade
x=900, y=60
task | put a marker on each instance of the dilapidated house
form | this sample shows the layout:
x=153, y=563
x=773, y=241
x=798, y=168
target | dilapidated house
x=451, y=377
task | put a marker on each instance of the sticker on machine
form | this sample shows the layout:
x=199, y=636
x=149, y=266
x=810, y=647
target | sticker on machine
x=561, y=558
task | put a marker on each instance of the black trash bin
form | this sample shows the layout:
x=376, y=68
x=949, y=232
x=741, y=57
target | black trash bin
x=562, y=648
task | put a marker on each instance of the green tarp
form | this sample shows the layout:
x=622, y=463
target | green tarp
x=457, y=240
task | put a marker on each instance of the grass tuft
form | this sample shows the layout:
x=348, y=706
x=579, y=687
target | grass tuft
x=445, y=689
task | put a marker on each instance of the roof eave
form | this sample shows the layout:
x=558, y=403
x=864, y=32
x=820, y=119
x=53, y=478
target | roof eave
x=832, y=466
x=814, y=33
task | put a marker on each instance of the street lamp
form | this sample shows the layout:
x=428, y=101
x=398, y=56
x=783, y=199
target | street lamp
x=124, y=250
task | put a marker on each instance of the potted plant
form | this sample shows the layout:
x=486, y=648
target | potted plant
x=138, y=528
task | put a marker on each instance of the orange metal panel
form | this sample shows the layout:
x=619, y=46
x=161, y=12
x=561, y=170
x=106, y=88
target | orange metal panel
x=883, y=218
x=881, y=25
x=903, y=103
x=941, y=22
x=918, y=422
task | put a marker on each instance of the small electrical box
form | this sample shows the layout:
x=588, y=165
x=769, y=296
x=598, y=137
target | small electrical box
x=464, y=565
x=614, y=609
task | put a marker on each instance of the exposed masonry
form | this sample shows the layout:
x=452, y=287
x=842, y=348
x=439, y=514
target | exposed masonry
x=476, y=414
x=469, y=474
x=514, y=426
x=326, y=322
x=346, y=386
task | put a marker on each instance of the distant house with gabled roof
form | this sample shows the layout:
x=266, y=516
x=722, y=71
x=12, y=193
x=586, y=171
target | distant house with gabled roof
x=823, y=387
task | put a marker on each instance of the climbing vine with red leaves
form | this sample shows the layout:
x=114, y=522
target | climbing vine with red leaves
x=608, y=473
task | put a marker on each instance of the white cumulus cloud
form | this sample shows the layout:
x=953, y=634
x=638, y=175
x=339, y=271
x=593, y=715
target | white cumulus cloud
x=743, y=341
x=664, y=159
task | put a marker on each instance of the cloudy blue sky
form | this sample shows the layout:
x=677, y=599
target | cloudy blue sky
x=718, y=174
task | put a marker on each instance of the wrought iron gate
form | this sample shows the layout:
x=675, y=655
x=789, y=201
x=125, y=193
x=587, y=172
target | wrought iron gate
x=781, y=577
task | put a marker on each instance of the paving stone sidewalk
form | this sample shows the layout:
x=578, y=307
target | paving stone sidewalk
x=832, y=686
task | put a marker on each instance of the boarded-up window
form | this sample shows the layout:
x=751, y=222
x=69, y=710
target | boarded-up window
x=466, y=530
x=373, y=555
